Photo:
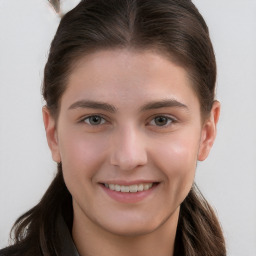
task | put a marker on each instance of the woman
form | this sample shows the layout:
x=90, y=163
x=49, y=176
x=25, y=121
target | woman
x=129, y=88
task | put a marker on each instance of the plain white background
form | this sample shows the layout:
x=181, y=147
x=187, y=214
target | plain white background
x=227, y=178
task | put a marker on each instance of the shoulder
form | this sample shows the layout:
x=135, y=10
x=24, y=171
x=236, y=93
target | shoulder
x=9, y=251
x=19, y=250
x=4, y=252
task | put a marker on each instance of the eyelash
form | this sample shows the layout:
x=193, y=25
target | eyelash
x=170, y=120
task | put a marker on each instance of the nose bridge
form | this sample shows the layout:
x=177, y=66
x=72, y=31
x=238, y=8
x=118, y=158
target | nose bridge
x=128, y=150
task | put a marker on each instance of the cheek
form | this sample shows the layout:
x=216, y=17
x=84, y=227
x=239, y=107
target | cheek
x=177, y=158
x=82, y=154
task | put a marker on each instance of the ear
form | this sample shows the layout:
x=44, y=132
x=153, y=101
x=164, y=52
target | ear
x=209, y=131
x=51, y=134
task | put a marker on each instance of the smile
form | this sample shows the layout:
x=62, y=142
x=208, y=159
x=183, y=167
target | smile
x=130, y=193
x=129, y=189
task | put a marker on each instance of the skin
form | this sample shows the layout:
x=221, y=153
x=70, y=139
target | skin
x=128, y=144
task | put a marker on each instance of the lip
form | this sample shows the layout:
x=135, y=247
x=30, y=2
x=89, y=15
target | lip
x=129, y=198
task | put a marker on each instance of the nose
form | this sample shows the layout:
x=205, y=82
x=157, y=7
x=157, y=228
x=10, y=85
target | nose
x=128, y=149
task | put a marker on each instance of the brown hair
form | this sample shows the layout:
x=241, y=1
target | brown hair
x=172, y=27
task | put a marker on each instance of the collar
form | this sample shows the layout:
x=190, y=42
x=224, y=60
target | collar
x=68, y=247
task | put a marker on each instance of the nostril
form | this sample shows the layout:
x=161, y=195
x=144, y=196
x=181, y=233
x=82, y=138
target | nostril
x=128, y=161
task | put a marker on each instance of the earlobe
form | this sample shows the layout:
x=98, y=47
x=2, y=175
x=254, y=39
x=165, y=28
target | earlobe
x=209, y=131
x=51, y=134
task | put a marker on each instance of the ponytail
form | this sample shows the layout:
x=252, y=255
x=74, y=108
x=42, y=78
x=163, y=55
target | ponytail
x=55, y=4
x=199, y=232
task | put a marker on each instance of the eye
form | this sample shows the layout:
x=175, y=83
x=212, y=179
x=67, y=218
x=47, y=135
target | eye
x=162, y=121
x=94, y=120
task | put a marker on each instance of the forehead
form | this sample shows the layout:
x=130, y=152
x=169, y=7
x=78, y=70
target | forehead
x=127, y=76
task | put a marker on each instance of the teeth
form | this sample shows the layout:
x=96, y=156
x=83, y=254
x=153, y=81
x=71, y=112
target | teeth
x=140, y=187
x=125, y=189
x=132, y=188
x=146, y=186
x=117, y=188
x=112, y=186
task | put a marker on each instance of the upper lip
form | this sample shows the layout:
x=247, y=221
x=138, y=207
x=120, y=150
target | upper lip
x=128, y=183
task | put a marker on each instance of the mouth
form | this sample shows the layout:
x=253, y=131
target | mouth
x=134, y=188
x=130, y=192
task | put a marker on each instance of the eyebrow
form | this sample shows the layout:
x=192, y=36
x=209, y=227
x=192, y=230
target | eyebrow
x=163, y=104
x=93, y=105
x=110, y=108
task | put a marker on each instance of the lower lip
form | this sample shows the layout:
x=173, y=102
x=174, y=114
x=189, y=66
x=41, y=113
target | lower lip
x=129, y=197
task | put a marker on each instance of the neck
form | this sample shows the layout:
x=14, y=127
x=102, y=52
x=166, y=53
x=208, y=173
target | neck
x=91, y=239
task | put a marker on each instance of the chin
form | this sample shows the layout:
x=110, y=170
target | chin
x=131, y=226
x=131, y=230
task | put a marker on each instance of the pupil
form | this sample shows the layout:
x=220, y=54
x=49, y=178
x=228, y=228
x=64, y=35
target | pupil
x=161, y=120
x=95, y=120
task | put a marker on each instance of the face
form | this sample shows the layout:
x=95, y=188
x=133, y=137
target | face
x=129, y=121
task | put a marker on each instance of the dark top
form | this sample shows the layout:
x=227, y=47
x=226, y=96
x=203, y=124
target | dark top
x=68, y=247
x=67, y=244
